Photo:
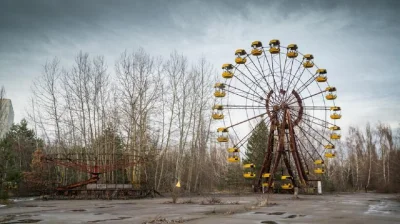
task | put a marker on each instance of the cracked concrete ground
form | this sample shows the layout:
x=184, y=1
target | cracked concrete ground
x=335, y=208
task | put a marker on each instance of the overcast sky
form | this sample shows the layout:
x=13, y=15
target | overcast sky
x=358, y=42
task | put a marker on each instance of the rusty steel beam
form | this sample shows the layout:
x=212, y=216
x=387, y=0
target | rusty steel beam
x=295, y=153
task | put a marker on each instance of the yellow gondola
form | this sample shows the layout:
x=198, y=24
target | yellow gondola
x=222, y=139
x=219, y=93
x=330, y=96
x=274, y=46
x=330, y=155
x=292, y=51
x=257, y=48
x=219, y=90
x=334, y=128
x=224, y=134
x=256, y=52
x=319, y=171
x=283, y=177
x=335, y=115
x=330, y=88
x=233, y=150
x=227, y=73
x=250, y=165
x=233, y=159
x=266, y=185
x=227, y=66
x=240, y=52
x=239, y=59
x=335, y=136
x=321, y=75
x=308, y=61
x=266, y=175
x=217, y=114
x=329, y=146
x=287, y=186
x=249, y=175
x=318, y=162
x=256, y=44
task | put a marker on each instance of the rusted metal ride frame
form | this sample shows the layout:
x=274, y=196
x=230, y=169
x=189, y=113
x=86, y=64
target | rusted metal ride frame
x=286, y=123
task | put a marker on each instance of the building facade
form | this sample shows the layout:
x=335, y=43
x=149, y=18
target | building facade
x=6, y=116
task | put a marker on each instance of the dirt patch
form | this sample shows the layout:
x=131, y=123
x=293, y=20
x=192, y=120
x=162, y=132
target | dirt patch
x=269, y=222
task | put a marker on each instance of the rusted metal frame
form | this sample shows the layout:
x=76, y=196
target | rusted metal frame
x=281, y=149
x=295, y=153
x=299, y=102
x=268, y=156
x=289, y=168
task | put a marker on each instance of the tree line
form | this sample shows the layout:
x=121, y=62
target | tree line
x=159, y=108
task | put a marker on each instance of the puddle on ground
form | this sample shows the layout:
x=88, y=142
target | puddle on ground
x=105, y=220
x=25, y=221
x=38, y=206
x=290, y=216
x=276, y=213
x=105, y=207
x=79, y=210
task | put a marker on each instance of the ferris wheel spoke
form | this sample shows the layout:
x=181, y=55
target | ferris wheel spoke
x=294, y=86
x=244, y=121
x=284, y=68
x=300, y=150
x=244, y=92
x=243, y=107
x=311, y=107
x=294, y=76
x=270, y=69
x=317, y=132
x=307, y=83
x=263, y=74
x=305, y=133
x=251, y=80
x=312, y=145
x=245, y=138
x=259, y=96
x=324, y=121
x=304, y=98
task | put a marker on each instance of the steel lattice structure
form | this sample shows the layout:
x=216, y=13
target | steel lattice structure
x=290, y=93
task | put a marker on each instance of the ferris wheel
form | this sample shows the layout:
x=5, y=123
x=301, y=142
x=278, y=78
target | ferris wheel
x=290, y=94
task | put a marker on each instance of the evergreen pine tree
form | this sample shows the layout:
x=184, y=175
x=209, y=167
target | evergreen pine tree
x=257, y=145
